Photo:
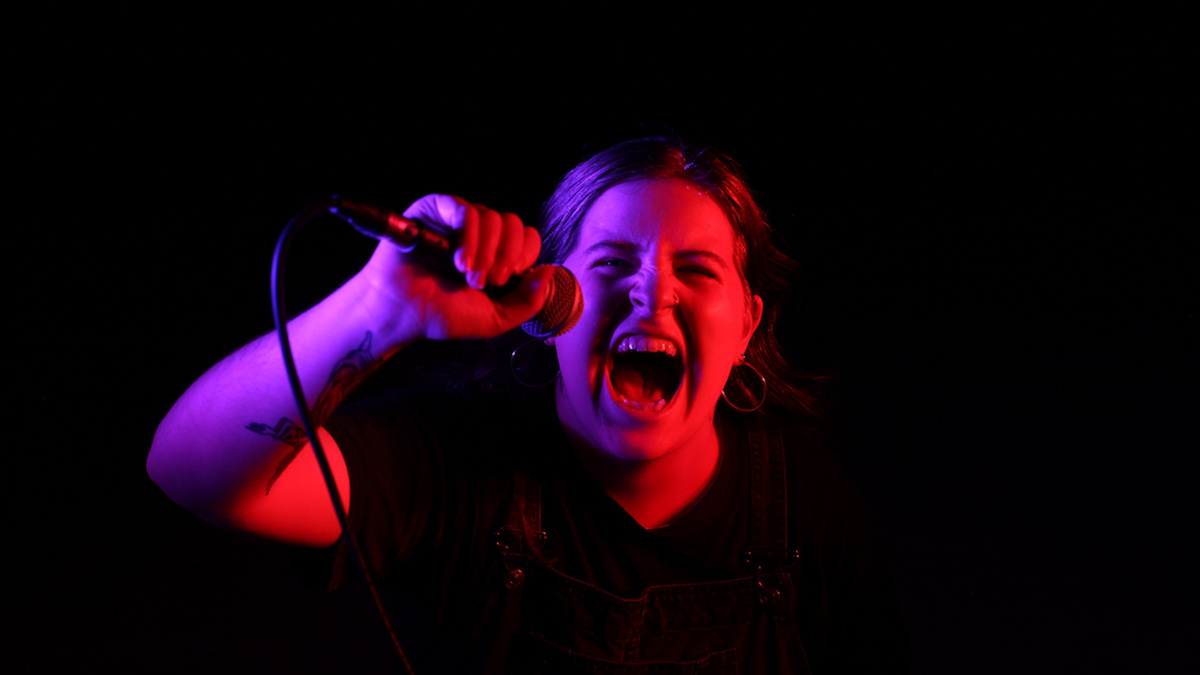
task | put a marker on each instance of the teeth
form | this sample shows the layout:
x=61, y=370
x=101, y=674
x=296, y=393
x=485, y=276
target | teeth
x=656, y=406
x=642, y=343
x=646, y=344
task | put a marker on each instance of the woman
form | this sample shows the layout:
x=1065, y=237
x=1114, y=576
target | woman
x=662, y=506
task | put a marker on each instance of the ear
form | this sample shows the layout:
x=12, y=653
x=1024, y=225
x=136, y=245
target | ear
x=753, y=317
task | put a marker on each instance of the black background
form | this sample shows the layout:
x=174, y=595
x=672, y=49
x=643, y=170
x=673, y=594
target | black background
x=996, y=265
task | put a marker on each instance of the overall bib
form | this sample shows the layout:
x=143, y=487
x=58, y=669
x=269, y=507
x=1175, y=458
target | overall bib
x=565, y=625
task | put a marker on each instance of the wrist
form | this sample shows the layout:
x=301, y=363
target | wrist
x=382, y=313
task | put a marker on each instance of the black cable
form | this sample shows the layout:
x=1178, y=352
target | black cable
x=278, y=308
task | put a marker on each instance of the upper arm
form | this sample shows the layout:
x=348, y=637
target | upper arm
x=297, y=508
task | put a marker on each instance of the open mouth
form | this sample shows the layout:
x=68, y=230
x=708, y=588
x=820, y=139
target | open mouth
x=645, y=372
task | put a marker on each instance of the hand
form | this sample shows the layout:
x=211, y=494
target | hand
x=493, y=247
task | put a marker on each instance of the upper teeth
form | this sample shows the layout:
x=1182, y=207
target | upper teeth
x=642, y=343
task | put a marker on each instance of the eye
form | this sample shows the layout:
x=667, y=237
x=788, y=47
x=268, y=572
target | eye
x=696, y=270
x=612, y=264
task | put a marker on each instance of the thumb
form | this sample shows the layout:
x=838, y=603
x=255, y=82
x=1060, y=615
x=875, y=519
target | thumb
x=527, y=299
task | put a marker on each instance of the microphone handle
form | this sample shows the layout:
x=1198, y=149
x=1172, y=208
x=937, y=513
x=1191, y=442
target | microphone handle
x=433, y=246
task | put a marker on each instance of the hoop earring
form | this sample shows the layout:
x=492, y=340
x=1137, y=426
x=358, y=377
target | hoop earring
x=761, y=400
x=532, y=364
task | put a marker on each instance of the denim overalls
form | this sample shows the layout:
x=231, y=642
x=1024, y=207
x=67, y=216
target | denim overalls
x=564, y=625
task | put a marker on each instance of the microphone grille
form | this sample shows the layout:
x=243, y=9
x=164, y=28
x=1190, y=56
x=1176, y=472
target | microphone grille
x=563, y=308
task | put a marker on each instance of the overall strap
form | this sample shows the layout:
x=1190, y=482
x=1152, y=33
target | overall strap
x=768, y=552
x=521, y=534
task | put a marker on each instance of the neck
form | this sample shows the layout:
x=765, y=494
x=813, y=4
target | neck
x=655, y=491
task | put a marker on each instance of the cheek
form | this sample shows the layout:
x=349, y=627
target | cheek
x=572, y=351
x=579, y=357
x=604, y=307
x=719, y=333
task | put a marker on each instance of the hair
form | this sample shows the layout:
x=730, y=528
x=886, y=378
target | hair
x=765, y=269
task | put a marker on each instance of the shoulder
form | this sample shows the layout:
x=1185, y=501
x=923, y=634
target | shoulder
x=825, y=508
x=843, y=563
x=809, y=451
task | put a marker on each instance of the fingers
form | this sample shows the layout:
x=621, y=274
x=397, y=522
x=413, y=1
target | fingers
x=492, y=245
x=517, y=306
x=490, y=227
x=455, y=213
x=532, y=249
x=508, y=229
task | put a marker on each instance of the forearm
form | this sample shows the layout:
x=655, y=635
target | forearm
x=237, y=428
x=232, y=449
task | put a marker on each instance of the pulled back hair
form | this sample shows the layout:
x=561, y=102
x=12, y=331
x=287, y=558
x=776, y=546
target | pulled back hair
x=766, y=271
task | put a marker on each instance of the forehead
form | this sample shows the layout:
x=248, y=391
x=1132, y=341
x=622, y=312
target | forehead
x=656, y=214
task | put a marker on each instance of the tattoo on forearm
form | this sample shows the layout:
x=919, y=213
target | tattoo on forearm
x=284, y=430
x=348, y=372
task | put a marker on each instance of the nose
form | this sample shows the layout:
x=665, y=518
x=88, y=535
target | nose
x=653, y=291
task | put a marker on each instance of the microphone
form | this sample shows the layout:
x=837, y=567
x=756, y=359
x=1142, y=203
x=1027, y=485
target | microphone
x=433, y=246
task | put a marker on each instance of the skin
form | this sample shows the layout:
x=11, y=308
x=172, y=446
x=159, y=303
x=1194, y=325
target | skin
x=655, y=261
x=657, y=266
x=231, y=449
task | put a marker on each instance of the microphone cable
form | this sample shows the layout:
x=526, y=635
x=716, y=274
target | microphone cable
x=278, y=260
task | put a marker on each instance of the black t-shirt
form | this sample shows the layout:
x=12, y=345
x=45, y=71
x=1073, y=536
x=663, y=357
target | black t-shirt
x=432, y=475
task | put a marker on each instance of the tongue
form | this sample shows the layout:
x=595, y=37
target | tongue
x=638, y=384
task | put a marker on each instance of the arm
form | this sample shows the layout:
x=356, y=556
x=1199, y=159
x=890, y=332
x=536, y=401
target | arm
x=231, y=448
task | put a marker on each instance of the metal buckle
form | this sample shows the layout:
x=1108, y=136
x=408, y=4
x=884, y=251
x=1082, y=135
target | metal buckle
x=761, y=561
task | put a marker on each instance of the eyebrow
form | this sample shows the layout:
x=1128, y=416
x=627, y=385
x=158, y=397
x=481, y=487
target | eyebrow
x=629, y=247
x=626, y=246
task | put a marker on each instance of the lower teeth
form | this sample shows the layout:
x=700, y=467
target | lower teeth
x=647, y=405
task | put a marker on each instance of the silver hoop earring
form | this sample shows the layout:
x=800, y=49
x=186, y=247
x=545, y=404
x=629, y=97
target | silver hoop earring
x=761, y=400
x=524, y=367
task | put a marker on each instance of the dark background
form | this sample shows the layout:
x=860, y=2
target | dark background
x=995, y=266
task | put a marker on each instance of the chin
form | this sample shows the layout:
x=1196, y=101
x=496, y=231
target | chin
x=635, y=435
